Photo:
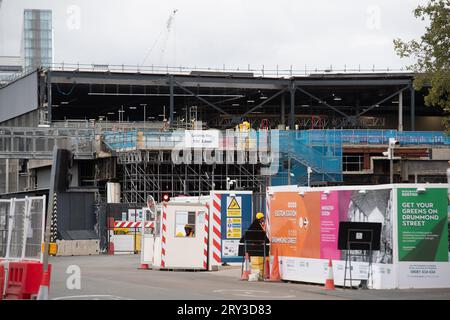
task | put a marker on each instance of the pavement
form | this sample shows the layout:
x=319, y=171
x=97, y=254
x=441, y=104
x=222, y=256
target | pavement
x=117, y=277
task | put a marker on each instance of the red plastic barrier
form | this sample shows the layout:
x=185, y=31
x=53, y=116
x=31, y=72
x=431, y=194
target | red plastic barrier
x=24, y=279
x=111, y=248
x=2, y=279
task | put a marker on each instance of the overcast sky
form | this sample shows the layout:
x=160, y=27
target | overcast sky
x=221, y=32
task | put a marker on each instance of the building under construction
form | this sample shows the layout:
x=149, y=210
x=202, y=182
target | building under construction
x=122, y=125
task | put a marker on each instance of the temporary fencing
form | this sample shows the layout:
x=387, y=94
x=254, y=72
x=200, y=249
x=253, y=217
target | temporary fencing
x=22, y=228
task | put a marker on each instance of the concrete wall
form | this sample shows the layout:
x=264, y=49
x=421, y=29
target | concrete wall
x=19, y=97
x=29, y=119
x=440, y=153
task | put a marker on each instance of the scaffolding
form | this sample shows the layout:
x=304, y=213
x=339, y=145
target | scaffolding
x=153, y=173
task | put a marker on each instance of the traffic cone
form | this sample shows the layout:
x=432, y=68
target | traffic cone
x=267, y=269
x=275, y=272
x=143, y=266
x=329, y=283
x=245, y=272
x=43, y=289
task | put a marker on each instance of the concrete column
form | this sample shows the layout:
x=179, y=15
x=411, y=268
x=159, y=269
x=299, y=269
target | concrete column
x=49, y=98
x=6, y=175
x=283, y=110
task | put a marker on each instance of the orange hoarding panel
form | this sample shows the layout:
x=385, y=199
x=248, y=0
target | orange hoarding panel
x=295, y=224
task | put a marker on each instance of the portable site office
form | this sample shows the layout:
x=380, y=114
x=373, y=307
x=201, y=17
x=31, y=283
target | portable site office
x=217, y=221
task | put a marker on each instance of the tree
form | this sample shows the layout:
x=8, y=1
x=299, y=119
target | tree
x=432, y=55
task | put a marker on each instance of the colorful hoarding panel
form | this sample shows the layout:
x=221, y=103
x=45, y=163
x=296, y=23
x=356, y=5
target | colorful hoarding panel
x=236, y=217
x=304, y=231
x=307, y=225
x=422, y=225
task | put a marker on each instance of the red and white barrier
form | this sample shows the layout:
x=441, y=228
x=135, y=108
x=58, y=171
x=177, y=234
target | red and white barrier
x=164, y=235
x=133, y=224
x=216, y=228
x=206, y=238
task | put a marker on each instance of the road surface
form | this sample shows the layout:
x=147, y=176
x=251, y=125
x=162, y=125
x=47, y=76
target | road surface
x=117, y=277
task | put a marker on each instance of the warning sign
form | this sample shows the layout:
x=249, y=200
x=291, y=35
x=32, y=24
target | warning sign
x=234, y=228
x=234, y=206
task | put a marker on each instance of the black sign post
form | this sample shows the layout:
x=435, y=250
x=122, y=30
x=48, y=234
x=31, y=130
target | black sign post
x=363, y=237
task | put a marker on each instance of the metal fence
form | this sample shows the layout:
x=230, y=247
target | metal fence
x=37, y=143
x=22, y=228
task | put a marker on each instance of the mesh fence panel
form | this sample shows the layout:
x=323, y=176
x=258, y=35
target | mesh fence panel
x=21, y=228
x=17, y=232
x=5, y=206
x=35, y=228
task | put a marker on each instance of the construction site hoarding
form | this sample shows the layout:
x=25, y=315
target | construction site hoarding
x=304, y=226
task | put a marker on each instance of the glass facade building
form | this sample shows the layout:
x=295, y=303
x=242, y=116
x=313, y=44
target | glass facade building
x=37, y=39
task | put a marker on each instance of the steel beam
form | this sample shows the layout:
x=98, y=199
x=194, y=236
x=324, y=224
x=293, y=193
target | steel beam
x=171, y=100
x=264, y=102
x=400, y=111
x=226, y=81
x=292, y=109
x=412, y=108
x=200, y=98
x=49, y=97
x=381, y=101
x=344, y=82
x=322, y=102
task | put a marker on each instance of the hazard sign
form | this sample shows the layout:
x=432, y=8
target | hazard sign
x=234, y=228
x=234, y=206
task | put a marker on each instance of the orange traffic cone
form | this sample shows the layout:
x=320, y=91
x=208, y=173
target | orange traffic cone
x=275, y=272
x=143, y=266
x=329, y=283
x=43, y=289
x=267, y=269
x=246, y=271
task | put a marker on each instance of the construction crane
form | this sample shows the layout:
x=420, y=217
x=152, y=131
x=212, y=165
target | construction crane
x=165, y=32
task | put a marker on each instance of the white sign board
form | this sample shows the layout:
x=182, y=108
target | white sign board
x=230, y=248
x=208, y=139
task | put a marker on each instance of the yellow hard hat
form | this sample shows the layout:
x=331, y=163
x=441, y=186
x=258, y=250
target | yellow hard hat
x=259, y=215
x=180, y=234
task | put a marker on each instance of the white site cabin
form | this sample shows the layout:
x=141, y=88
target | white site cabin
x=168, y=246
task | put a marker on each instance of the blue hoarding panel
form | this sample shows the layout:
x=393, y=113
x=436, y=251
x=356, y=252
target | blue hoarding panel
x=236, y=217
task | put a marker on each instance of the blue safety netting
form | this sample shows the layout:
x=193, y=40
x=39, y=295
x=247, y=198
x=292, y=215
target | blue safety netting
x=321, y=150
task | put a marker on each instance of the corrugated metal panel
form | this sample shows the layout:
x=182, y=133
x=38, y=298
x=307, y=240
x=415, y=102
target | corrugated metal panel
x=19, y=97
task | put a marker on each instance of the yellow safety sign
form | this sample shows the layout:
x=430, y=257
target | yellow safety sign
x=234, y=207
x=234, y=204
x=234, y=228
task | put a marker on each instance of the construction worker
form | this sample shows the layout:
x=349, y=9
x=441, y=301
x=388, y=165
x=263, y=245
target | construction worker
x=189, y=230
x=260, y=218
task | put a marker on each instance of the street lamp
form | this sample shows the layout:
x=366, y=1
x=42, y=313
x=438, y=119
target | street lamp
x=309, y=170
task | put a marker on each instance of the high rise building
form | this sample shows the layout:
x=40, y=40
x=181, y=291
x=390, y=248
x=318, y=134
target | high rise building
x=37, y=44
